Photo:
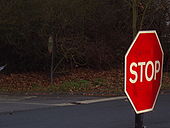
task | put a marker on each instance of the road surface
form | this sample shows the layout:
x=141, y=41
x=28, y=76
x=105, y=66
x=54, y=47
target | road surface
x=69, y=112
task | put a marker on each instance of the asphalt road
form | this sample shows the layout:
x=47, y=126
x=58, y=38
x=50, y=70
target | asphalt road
x=50, y=112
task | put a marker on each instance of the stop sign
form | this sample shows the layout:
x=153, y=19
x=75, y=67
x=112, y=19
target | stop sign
x=143, y=71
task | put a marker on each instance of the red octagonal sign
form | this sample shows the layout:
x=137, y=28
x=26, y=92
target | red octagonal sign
x=143, y=71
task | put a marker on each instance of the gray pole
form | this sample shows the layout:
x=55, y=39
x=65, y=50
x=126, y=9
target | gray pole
x=52, y=51
x=139, y=120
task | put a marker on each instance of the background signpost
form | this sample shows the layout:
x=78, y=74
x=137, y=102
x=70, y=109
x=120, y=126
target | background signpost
x=143, y=72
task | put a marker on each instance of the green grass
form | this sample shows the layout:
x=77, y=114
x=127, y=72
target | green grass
x=74, y=85
x=99, y=82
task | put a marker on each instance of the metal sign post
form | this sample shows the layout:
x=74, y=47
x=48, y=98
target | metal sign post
x=139, y=120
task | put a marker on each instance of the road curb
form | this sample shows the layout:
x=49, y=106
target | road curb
x=100, y=100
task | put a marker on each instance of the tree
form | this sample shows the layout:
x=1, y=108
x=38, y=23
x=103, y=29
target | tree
x=87, y=33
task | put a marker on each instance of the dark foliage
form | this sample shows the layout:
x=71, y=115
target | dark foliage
x=89, y=33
